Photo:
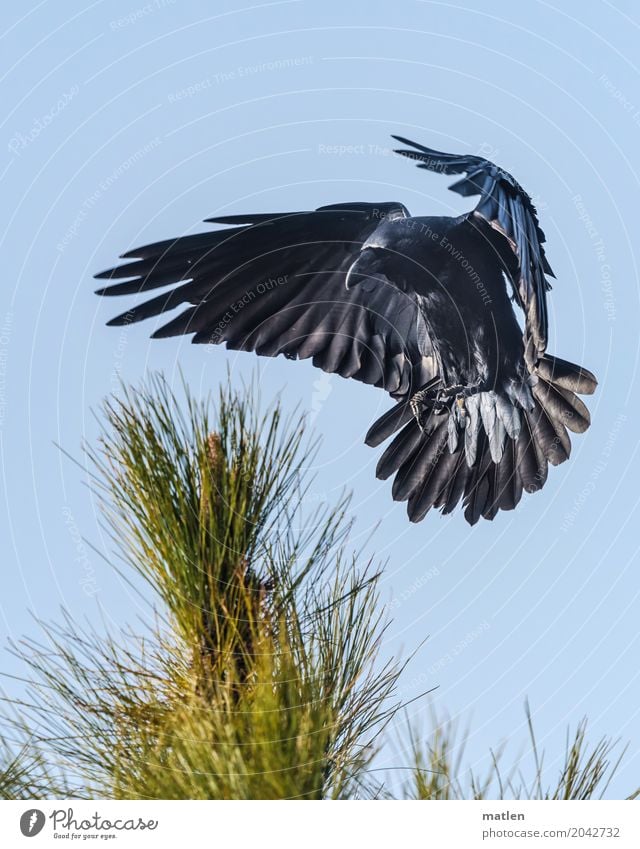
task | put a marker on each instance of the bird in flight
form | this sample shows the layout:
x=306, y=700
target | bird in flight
x=420, y=306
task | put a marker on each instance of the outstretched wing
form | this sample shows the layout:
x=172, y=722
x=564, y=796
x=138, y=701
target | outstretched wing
x=508, y=209
x=275, y=284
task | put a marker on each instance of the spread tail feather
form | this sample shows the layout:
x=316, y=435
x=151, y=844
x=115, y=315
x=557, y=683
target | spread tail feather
x=501, y=450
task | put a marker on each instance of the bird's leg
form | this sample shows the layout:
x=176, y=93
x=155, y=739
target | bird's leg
x=459, y=394
x=439, y=398
x=431, y=398
x=417, y=406
x=448, y=392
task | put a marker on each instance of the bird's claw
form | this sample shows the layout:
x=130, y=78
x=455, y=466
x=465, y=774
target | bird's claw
x=417, y=409
x=440, y=399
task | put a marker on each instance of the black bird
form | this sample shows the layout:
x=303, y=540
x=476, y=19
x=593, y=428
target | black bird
x=418, y=306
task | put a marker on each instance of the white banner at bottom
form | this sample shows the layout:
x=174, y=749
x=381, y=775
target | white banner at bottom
x=318, y=825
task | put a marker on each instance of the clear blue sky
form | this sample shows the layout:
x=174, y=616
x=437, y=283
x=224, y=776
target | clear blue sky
x=125, y=122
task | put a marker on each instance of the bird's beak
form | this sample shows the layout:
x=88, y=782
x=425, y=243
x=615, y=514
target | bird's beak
x=350, y=280
x=365, y=266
